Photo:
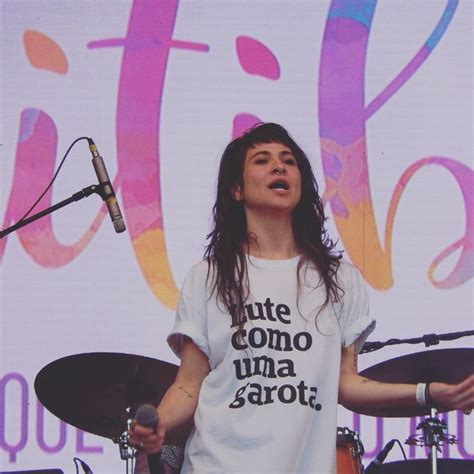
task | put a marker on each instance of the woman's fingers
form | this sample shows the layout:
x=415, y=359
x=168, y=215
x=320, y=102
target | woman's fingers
x=454, y=397
x=463, y=395
x=146, y=439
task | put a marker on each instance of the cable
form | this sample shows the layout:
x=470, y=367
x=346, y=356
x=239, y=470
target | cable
x=83, y=464
x=401, y=448
x=54, y=177
x=75, y=464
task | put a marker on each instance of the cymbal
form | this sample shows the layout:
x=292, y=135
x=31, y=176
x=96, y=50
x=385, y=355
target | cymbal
x=423, y=466
x=440, y=365
x=92, y=391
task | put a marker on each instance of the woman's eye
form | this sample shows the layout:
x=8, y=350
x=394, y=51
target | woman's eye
x=290, y=161
x=260, y=161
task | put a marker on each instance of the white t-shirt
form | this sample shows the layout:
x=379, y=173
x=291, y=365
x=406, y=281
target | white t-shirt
x=269, y=402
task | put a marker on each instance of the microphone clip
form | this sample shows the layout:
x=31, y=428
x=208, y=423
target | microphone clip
x=104, y=190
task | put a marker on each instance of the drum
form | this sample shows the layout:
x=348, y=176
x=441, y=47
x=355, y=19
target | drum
x=349, y=451
x=423, y=466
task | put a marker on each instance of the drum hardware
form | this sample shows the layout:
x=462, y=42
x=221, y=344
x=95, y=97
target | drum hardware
x=435, y=434
x=127, y=452
x=357, y=449
x=442, y=365
x=349, y=452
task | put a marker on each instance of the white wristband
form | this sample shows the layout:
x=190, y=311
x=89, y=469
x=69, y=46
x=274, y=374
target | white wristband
x=421, y=395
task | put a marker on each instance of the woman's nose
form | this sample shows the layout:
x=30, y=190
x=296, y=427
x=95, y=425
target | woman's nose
x=279, y=168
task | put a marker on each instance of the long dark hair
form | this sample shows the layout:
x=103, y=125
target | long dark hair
x=228, y=241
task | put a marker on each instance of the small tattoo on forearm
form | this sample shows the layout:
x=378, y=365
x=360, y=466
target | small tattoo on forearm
x=355, y=361
x=364, y=380
x=189, y=395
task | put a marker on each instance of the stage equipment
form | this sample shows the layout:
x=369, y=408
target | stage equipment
x=108, y=193
x=100, y=392
x=349, y=452
x=443, y=365
x=423, y=466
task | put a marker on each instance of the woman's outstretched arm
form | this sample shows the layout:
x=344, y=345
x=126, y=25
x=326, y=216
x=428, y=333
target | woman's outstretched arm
x=177, y=407
x=369, y=397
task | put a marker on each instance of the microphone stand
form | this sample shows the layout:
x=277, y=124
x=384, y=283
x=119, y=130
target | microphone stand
x=427, y=339
x=83, y=193
x=127, y=452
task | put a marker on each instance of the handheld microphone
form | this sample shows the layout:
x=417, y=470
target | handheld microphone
x=147, y=416
x=108, y=194
x=376, y=464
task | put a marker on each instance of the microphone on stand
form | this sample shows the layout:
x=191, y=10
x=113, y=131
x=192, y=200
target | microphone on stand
x=376, y=464
x=86, y=468
x=147, y=416
x=108, y=194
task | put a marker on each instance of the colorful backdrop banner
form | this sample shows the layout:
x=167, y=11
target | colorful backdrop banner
x=379, y=95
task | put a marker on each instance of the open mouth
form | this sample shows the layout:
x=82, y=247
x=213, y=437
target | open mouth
x=279, y=185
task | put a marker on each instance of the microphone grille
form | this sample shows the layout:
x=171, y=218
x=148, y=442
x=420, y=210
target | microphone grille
x=147, y=416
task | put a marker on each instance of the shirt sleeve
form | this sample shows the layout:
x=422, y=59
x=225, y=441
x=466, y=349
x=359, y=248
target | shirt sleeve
x=191, y=316
x=356, y=323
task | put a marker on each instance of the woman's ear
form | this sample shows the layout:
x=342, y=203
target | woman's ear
x=237, y=193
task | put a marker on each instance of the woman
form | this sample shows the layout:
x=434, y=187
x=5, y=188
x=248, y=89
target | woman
x=269, y=325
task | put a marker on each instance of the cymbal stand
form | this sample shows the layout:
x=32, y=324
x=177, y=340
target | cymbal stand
x=127, y=452
x=435, y=434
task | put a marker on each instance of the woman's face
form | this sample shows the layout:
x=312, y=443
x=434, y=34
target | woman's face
x=272, y=180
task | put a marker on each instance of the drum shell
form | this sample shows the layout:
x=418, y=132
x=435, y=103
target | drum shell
x=349, y=451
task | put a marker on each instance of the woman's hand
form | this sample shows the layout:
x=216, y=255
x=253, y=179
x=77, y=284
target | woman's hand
x=147, y=440
x=373, y=398
x=176, y=409
x=446, y=397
